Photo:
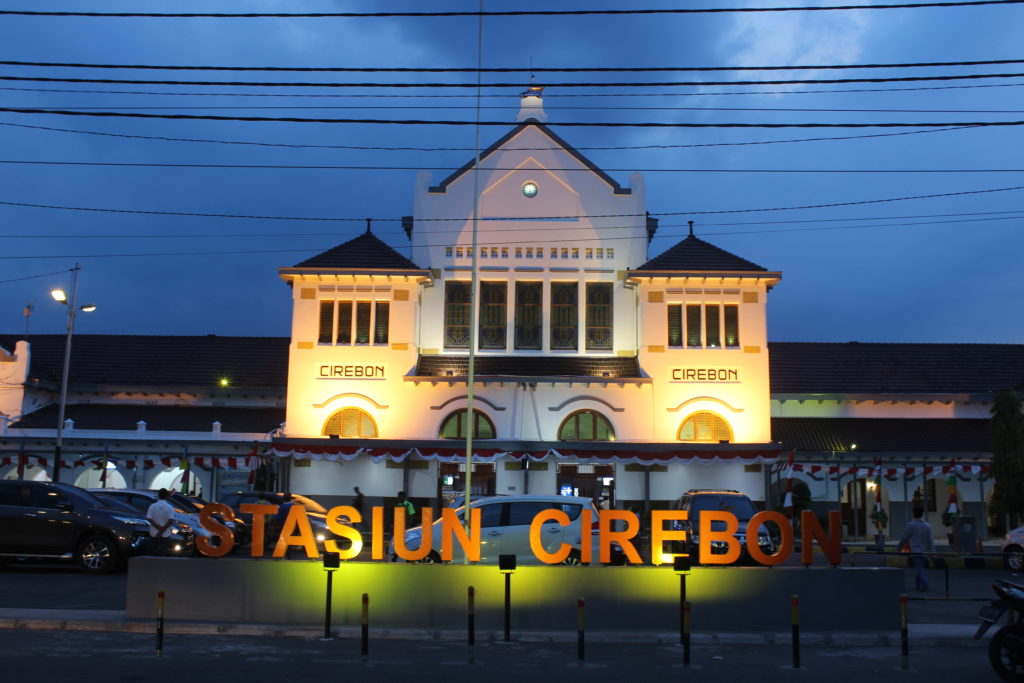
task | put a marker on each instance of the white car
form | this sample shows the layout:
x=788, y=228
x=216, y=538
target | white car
x=505, y=529
x=1013, y=549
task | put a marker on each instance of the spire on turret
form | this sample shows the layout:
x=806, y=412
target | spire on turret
x=531, y=104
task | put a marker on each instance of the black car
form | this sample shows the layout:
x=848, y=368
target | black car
x=60, y=521
x=696, y=501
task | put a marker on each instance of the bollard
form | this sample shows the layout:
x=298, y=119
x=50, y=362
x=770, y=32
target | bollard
x=366, y=627
x=945, y=565
x=795, y=617
x=682, y=606
x=327, y=608
x=508, y=607
x=471, y=624
x=904, y=636
x=579, y=627
x=160, y=595
x=686, y=633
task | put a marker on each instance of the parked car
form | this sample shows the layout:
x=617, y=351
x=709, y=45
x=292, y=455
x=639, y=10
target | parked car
x=696, y=501
x=1013, y=549
x=505, y=529
x=315, y=511
x=185, y=512
x=60, y=521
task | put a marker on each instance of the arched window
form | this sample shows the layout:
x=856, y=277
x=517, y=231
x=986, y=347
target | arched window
x=350, y=423
x=705, y=427
x=454, y=426
x=586, y=425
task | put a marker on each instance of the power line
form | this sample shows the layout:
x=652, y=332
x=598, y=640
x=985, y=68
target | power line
x=537, y=218
x=501, y=13
x=524, y=243
x=515, y=69
x=574, y=124
x=451, y=169
x=393, y=96
x=471, y=149
x=519, y=85
x=33, y=277
x=661, y=233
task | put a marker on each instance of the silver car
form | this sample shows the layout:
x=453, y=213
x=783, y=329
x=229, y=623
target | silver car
x=505, y=529
x=1013, y=549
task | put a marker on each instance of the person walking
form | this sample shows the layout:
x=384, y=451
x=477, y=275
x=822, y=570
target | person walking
x=160, y=516
x=917, y=538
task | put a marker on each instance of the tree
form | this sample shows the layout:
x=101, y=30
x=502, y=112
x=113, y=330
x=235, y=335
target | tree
x=1007, y=431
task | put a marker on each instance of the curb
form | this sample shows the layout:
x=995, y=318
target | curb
x=979, y=562
x=920, y=635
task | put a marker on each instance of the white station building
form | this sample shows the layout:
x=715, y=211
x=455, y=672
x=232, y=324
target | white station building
x=600, y=370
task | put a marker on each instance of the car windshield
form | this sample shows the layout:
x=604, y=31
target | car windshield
x=113, y=503
x=80, y=496
x=736, y=504
x=183, y=503
x=308, y=503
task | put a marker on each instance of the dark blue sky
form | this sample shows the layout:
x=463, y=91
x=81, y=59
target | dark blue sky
x=930, y=270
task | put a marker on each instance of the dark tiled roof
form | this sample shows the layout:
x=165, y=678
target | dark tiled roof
x=695, y=254
x=364, y=252
x=855, y=367
x=882, y=435
x=160, y=361
x=158, y=418
x=529, y=366
x=575, y=153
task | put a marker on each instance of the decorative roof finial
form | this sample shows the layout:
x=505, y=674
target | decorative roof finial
x=531, y=102
x=691, y=228
x=368, y=222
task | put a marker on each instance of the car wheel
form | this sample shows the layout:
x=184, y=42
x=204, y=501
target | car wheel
x=432, y=558
x=573, y=559
x=97, y=555
x=1014, y=557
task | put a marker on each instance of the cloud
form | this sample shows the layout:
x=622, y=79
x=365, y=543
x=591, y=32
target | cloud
x=783, y=38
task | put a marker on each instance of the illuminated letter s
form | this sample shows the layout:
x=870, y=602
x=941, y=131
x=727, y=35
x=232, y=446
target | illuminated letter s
x=222, y=533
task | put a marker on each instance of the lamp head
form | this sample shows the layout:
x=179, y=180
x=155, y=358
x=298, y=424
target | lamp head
x=59, y=295
x=88, y=308
x=506, y=563
x=332, y=561
x=681, y=564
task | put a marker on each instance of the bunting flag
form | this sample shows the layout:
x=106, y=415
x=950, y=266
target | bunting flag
x=103, y=474
x=951, y=504
x=184, y=465
x=22, y=458
x=787, y=502
x=253, y=463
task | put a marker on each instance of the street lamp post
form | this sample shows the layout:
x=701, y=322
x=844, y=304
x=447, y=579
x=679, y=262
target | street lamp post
x=60, y=296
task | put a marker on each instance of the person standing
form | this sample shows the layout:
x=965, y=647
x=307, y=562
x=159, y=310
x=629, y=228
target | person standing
x=160, y=516
x=917, y=538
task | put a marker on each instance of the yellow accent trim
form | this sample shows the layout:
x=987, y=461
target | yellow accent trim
x=307, y=293
x=625, y=354
x=655, y=297
x=750, y=297
x=751, y=349
x=304, y=345
x=429, y=352
x=400, y=346
x=401, y=295
x=510, y=466
x=620, y=274
x=302, y=462
x=655, y=348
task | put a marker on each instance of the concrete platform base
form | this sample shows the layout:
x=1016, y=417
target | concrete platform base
x=543, y=598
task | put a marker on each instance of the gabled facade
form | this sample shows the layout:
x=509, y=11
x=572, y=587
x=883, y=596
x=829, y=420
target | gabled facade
x=593, y=362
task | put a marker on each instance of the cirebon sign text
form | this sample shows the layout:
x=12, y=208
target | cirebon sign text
x=613, y=527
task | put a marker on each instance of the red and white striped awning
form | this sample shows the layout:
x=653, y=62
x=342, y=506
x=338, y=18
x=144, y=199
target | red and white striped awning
x=747, y=454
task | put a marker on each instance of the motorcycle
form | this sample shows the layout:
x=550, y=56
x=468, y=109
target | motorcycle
x=1006, y=649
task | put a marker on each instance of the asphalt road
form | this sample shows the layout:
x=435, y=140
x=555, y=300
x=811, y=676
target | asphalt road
x=32, y=656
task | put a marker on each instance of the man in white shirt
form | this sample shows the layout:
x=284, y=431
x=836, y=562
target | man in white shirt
x=160, y=516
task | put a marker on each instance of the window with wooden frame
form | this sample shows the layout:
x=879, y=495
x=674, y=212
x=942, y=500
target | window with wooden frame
x=493, y=320
x=455, y=426
x=456, y=315
x=345, y=323
x=350, y=423
x=599, y=316
x=586, y=425
x=564, y=316
x=529, y=314
x=705, y=427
